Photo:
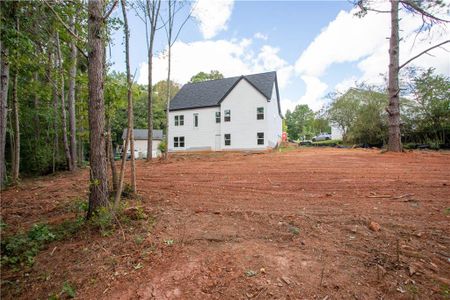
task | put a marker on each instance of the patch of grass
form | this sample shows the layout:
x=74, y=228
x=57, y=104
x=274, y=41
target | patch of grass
x=412, y=288
x=445, y=291
x=294, y=230
x=328, y=143
x=103, y=219
x=68, y=290
x=447, y=211
x=287, y=148
x=138, y=239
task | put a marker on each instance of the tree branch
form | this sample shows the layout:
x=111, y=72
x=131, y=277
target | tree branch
x=413, y=6
x=422, y=53
x=62, y=21
x=106, y=16
x=67, y=28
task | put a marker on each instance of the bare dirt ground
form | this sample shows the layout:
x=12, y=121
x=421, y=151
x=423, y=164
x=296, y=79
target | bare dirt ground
x=291, y=225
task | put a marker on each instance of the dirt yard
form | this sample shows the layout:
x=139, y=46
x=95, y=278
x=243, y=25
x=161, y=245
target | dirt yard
x=302, y=224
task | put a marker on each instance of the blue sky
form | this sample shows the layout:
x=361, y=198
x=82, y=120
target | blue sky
x=315, y=46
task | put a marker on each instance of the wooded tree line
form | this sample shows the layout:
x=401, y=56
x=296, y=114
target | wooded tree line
x=61, y=108
x=425, y=111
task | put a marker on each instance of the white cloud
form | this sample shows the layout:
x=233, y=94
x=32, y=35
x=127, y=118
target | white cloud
x=347, y=83
x=212, y=16
x=315, y=91
x=364, y=41
x=286, y=104
x=346, y=39
x=261, y=36
x=231, y=58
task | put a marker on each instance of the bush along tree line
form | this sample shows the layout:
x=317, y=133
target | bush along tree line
x=61, y=107
x=303, y=124
x=361, y=114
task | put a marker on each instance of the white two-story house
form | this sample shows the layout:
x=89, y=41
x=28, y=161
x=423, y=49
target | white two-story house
x=237, y=113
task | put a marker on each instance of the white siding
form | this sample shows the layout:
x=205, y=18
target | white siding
x=274, y=120
x=242, y=101
x=195, y=138
x=141, y=147
x=336, y=132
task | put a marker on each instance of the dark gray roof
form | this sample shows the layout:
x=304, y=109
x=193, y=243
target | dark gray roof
x=141, y=134
x=212, y=92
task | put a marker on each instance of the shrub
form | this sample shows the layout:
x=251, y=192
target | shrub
x=162, y=146
x=23, y=247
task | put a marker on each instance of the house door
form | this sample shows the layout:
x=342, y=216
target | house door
x=217, y=146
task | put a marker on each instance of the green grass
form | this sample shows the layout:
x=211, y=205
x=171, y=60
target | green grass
x=327, y=143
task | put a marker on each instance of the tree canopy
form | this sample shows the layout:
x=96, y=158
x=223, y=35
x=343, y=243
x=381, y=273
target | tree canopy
x=202, y=76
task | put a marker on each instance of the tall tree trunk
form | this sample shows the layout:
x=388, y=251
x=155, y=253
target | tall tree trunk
x=393, y=110
x=130, y=97
x=55, y=152
x=130, y=136
x=98, y=195
x=16, y=130
x=150, y=100
x=4, y=80
x=166, y=154
x=71, y=100
x=37, y=122
x=63, y=104
x=110, y=153
x=153, y=14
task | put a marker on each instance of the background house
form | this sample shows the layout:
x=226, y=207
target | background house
x=237, y=113
x=140, y=141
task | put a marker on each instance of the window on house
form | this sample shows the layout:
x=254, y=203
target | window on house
x=218, y=117
x=178, y=142
x=260, y=113
x=227, y=117
x=179, y=120
x=227, y=139
x=260, y=138
x=195, y=120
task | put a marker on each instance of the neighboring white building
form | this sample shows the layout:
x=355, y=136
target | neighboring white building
x=336, y=132
x=237, y=113
x=140, y=141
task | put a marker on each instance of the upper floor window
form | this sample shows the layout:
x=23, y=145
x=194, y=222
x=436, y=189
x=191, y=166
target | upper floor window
x=227, y=139
x=260, y=113
x=227, y=117
x=178, y=142
x=217, y=116
x=179, y=120
x=260, y=138
x=195, y=120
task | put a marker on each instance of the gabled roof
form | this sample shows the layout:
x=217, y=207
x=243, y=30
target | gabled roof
x=141, y=134
x=211, y=93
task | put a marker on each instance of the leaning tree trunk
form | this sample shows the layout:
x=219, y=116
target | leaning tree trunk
x=393, y=110
x=98, y=196
x=4, y=80
x=71, y=101
x=111, y=159
x=130, y=98
x=153, y=15
x=63, y=104
x=16, y=130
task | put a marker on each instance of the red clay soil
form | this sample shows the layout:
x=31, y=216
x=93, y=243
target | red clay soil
x=303, y=224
